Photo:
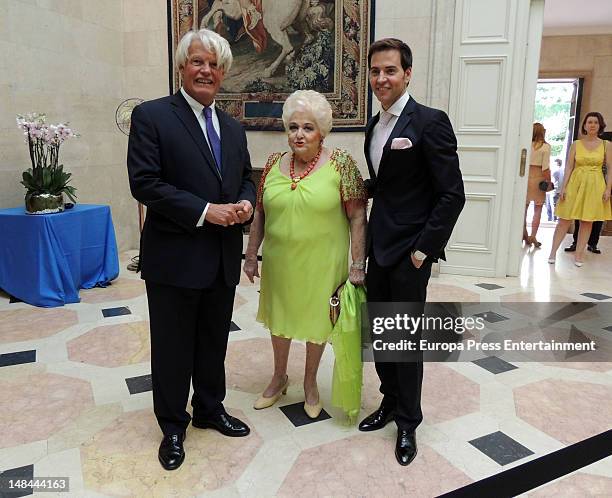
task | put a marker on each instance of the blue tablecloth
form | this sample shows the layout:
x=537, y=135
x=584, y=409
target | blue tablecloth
x=45, y=259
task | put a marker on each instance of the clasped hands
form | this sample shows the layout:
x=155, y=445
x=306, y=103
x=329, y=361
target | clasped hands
x=229, y=214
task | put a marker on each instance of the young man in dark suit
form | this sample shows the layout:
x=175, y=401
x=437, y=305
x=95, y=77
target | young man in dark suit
x=417, y=192
x=188, y=163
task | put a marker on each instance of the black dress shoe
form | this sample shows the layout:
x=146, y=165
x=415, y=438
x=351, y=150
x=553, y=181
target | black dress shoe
x=377, y=420
x=224, y=423
x=594, y=250
x=171, y=453
x=405, y=447
x=571, y=248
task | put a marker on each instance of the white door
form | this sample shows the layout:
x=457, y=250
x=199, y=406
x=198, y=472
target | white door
x=494, y=75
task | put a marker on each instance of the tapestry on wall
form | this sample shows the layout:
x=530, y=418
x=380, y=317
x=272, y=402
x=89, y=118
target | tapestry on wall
x=283, y=46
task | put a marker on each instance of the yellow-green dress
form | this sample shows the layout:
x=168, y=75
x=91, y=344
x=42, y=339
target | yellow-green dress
x=306, y=245
x=585, y=188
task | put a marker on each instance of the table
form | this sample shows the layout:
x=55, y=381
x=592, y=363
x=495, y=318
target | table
x=45, y=259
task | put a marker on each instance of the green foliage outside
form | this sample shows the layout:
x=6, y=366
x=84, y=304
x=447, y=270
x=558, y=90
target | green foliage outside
x=552, y=109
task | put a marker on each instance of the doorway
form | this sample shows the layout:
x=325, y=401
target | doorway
x=557, y=107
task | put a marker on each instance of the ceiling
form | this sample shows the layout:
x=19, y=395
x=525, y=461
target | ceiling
x=577, y=17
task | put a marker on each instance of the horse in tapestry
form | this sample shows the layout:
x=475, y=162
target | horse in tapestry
x=262, y=18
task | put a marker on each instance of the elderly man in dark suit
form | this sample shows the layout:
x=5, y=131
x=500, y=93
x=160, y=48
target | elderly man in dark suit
x=188, y=163
x=417, y=192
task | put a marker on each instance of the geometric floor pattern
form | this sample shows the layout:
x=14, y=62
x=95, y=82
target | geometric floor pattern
x=76, y=402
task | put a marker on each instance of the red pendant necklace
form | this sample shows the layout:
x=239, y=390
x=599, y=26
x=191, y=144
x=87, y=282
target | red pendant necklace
x=296, y=179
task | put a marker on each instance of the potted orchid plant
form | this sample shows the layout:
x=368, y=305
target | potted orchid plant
x=46, y=181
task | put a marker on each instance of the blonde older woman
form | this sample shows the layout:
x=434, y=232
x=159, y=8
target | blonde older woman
x=309, y=201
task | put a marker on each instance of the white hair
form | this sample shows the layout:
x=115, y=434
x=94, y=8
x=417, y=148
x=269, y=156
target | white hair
x=311, y=101
x=212, y=42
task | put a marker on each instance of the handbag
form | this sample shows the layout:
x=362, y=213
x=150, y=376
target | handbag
x=334, y=304
x=545, y=186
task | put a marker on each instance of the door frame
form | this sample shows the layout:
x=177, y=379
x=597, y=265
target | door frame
x=522, y=141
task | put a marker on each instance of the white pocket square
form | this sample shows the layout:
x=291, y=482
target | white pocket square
x=401, y=143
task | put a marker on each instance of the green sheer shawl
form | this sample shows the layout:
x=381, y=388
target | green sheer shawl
x=346, y=341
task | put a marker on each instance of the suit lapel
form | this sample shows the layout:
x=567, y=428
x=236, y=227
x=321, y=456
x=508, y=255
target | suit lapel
x=402, y=122
x=185, y=114
x=366, y=144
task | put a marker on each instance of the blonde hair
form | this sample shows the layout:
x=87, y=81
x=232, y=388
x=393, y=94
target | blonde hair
x=538, y=134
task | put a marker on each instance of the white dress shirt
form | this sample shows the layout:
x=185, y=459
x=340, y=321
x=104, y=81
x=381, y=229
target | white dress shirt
x=382, y=130
x=198, y=110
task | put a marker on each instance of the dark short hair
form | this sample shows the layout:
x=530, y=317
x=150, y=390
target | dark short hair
x=392, y=44
x=602, y=123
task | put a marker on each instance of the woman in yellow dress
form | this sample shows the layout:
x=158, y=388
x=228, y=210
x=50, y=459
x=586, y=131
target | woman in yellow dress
x=585, y=194
x=309, y=202
x=539, y=170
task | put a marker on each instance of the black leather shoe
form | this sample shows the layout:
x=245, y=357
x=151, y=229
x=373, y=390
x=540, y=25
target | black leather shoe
x=405, y=447
x=594, y=250
x=571, y=248
x=377, y=420
x=224, y=423
x=171, y=453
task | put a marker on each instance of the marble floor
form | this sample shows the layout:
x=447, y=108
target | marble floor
x=76, y=402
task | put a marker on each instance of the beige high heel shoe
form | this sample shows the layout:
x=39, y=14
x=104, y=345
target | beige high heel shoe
x=263, y=402
x=313, y=411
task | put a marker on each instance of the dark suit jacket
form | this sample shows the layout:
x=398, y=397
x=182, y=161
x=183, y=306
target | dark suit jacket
x=172, y=172
x=418, y=192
